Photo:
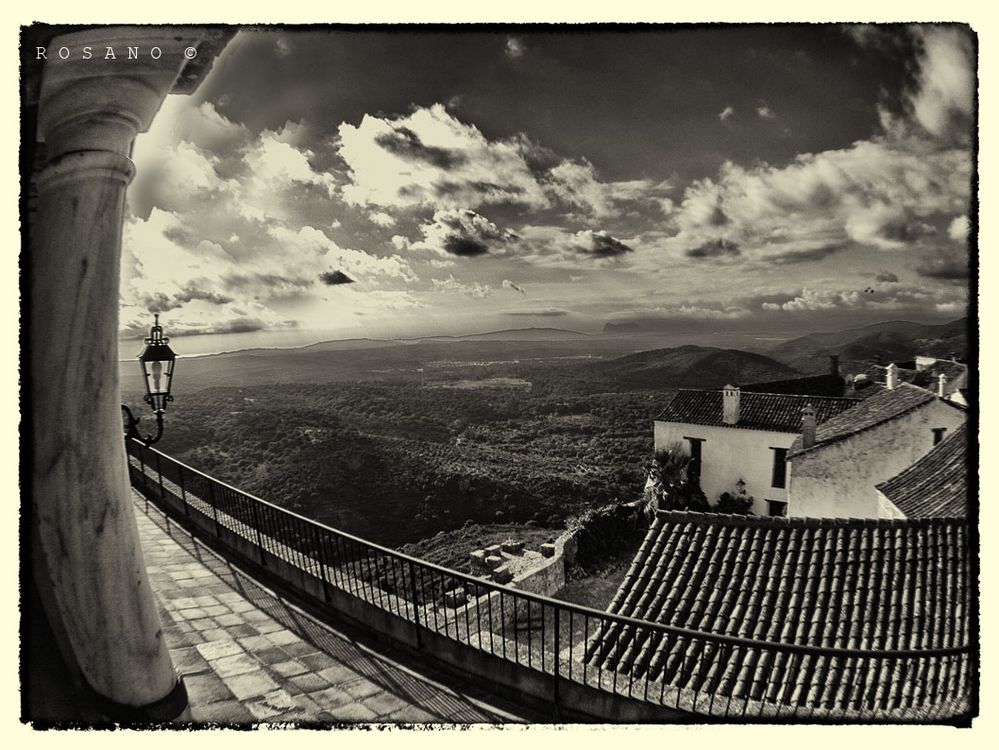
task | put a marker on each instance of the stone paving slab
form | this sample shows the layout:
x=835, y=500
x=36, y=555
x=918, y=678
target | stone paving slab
x=248, y=657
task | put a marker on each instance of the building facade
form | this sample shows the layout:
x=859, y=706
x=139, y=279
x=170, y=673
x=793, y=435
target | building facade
x=836, y=476
x=735, y=436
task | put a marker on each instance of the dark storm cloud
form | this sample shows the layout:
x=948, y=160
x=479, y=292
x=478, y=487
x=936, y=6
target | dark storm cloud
x=802, y=256
x=600, y=245
x=160, y=302
x=886, y=277
x=190, y=293
x=944, y=268
x=464, y=247
x=713, y=249
x=270, y=280
x=405, y=143
x=464, y=233
x=333, y=278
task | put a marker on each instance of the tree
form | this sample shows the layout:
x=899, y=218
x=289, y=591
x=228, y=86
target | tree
x=669, y=485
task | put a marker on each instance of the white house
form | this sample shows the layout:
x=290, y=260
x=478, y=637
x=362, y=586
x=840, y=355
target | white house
x=733, y=434
x=933, y=487
x=834, y=469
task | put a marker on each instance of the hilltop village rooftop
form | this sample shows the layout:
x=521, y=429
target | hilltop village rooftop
x=719, y=618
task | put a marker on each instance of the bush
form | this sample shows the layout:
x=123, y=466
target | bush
x=735, y=502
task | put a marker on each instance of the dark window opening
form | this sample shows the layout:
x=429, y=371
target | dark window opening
x=776, y=508
x=938, y=434
x=694, y=470
x=779, y=476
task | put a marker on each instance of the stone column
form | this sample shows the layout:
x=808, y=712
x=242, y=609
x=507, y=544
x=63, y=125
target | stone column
x=87, y=556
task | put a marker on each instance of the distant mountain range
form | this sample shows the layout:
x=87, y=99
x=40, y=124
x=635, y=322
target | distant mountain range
x=894, y=341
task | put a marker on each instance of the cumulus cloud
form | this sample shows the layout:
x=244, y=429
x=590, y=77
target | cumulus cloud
x=958, y=229
x=726, y=113
x=576, y=183
x=875, y=193
x=381, y=218
x=514, y=48
x=890, y=298
x=764, y=112
x=943, y=100
x=886, y=277
x=430, y=158
x=462, y=233
x=507, y=284
x=223, y=225
x=889, y=192
x=453, y=286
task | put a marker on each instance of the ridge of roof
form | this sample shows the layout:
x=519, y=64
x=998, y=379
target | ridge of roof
x=735, y=519
x=777, y=412
x=841, y=428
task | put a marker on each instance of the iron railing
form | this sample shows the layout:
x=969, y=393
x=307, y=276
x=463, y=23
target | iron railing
x=695, y=672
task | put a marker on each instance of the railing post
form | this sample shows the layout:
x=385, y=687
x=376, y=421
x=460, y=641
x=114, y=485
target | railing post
x=159, y=476
x=256, y=527
x=555, y=672
x=416, y=604
x=183, y=489
x=215, y=507
x=321, y=559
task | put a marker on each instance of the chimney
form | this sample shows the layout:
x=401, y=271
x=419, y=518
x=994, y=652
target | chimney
x=807, y=426
x=730, y=404
x=891, y=376
x=834, y=365
x=942, y=385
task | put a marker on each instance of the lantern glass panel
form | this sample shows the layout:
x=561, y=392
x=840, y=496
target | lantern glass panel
x=158, y=375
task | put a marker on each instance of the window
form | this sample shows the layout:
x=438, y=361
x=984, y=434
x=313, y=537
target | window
x=779, y=476
x=776, y=508
x=694, y=471
x=938, y=434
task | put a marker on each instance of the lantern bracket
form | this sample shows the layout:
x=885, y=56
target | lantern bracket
x=132, y=424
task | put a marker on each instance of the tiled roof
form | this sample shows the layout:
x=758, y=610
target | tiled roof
x=866, y=584
x=937, y=484
x=883, y=406
x=778, y=412
x=809, y=385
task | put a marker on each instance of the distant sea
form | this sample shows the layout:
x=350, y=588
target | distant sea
x=215, y=343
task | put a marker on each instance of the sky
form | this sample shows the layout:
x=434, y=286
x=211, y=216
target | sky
x=341, y=183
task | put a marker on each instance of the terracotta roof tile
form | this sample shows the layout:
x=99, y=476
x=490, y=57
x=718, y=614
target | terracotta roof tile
x=937, y=484
x=777, y=412
x=837, y=583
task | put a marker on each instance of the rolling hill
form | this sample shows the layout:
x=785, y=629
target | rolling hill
x=688, y=367
x=896, y=340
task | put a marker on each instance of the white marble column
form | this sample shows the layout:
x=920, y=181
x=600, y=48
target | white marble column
x=88, y=555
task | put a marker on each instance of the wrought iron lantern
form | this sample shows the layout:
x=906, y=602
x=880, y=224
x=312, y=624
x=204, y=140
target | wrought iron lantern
x=157, y=361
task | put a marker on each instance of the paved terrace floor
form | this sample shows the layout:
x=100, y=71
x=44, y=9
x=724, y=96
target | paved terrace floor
x=247, y=656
